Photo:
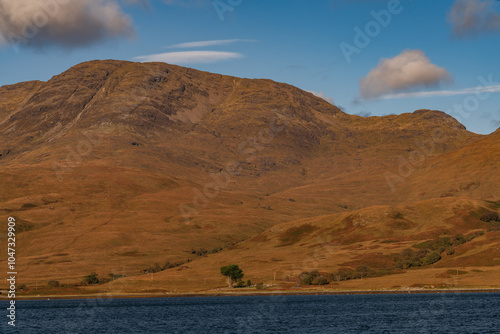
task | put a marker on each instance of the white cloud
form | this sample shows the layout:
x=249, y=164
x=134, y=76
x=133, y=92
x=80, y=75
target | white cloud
x=202, y=44
x=67, y=23
x=472, y=17
x=323, y=96
x=190, y=57
x=441, y=93
x=410, y=69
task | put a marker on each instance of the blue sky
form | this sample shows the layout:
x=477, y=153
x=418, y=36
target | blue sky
x=419, y=54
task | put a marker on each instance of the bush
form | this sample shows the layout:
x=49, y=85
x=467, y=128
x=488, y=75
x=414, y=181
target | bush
x=215, y=250
x=364, y=271
x=305, y=278
x=249, y=283
x=312, y=278
x=154, y=269
x=360, y=272
x=53, y=284
x=430, y=250
x=240, y=284
x=458, y=240
x=431, y=258
x=91, y=279
x=408, y=258
x=341, y=275
x=490, y=216
x=169, y=265
x=199, y=252
x=259, y=286
x=22, y=287
x=320, y=280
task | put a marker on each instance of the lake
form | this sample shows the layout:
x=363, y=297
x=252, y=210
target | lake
x=383, y=313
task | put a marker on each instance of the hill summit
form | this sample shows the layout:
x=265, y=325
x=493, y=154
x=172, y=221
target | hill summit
x=113, y=166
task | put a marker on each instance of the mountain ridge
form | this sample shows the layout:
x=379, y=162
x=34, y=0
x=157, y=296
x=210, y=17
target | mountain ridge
x=204, y=160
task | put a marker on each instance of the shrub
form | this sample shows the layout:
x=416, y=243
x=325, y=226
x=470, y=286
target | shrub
x=458, y=240
x=249, y=283
x=53, y=284
x=199, y=252
x=341, y=275
x=154, y=269
x=169, y=265
x=305, y=278
x=431, y=258
x=490, y=216
x=259, y=286
x=22, y=287
x=312, y=278
x=240, y=284
x=408, y=258
x=364, y=271
x=320, y=280
x=215, y=250
x=450, y=251
x=91, y=279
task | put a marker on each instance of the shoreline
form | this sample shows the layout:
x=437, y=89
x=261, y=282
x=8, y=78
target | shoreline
x=252, y=293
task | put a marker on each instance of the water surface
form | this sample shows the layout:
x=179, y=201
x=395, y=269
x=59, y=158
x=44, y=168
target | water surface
x=392, y=313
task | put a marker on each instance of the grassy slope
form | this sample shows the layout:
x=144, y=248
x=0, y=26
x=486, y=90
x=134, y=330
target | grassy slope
x=115, y=208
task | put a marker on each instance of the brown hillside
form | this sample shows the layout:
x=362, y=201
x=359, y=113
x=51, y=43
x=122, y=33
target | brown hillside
x=113, y=166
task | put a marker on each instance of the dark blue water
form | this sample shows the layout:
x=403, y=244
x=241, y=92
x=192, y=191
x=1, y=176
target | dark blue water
x=409, y=313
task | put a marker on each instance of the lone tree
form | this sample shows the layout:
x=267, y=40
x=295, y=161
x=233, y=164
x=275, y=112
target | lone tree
x=233, y=273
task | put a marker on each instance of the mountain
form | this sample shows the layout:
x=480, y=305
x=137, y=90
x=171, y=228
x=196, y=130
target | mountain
x=113, y=166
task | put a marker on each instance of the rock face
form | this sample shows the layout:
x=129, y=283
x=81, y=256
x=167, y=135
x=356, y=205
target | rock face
x=118, y=165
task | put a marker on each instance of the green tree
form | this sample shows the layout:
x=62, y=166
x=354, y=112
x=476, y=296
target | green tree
x=233, y=273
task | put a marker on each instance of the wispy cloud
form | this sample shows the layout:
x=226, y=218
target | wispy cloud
x=363, y=113
x=473, y=17
x=190, y=57
x=323, y=96
x=203, y=44
x=441, y=93
x=410, y=69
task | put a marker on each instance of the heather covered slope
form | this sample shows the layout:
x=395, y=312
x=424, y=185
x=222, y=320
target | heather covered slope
x=372, y=237
x=113, y=166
